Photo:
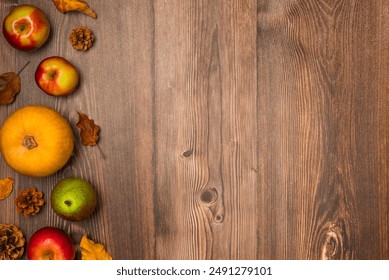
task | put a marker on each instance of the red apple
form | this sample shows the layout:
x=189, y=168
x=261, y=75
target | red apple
x=26, y=28
x=50, y=243
x=56, y=76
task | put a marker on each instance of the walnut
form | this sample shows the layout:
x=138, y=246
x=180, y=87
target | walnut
x=11, y=242
x=82, y=38
x=29, y=201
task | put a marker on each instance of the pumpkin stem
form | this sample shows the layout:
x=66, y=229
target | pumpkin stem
x=29, y=142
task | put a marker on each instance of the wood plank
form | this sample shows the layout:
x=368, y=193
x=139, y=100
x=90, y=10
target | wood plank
x=324, y=122
x=118, y=92
x=212, y=156
x=206, y=142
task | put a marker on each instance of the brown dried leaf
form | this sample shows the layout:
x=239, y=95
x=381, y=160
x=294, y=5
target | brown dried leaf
x=93, y=251
x=6, y=187
x=74, y=5
x=10, y=85
x=88, y=130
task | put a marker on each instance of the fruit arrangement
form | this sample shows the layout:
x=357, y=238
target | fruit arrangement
x=37, y=141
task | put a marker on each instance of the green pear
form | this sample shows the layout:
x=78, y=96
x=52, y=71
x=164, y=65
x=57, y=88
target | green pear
x=73, y=199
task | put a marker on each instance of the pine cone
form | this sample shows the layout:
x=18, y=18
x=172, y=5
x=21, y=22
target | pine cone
x=29, y=201
x=11, y=242
x=82, y=38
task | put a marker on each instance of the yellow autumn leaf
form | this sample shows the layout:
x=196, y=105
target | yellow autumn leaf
x=74, y=5
x=93, y=251
x=6, y=187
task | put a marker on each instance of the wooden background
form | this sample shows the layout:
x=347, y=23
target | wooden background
x=229, y=129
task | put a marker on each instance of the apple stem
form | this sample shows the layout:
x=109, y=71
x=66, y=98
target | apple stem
x=25, y=65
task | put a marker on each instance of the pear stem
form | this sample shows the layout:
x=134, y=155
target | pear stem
x=25, y=65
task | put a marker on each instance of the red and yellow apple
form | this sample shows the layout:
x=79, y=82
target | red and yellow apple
x=26, y=28
x=50, y=243
x=56, y=76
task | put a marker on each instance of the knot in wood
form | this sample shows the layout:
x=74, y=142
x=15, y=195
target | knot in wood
x=218, y=218
x=333, y=243
x=209, y=196
x=187, y=153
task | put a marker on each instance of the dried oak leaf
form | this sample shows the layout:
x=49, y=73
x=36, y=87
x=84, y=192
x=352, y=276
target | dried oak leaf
x=93, y=251
x=88, y=130
x=6, y=187
x=74, y=5
x=9, y=87
x=10, y=84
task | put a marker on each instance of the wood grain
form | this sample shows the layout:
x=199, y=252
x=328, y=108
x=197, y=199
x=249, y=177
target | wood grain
x=323, y=97
x=253, y=129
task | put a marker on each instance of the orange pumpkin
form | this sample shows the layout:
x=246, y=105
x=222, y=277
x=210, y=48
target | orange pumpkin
x=36, y=141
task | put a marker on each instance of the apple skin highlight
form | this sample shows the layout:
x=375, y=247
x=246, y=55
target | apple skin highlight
x=26, y=28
